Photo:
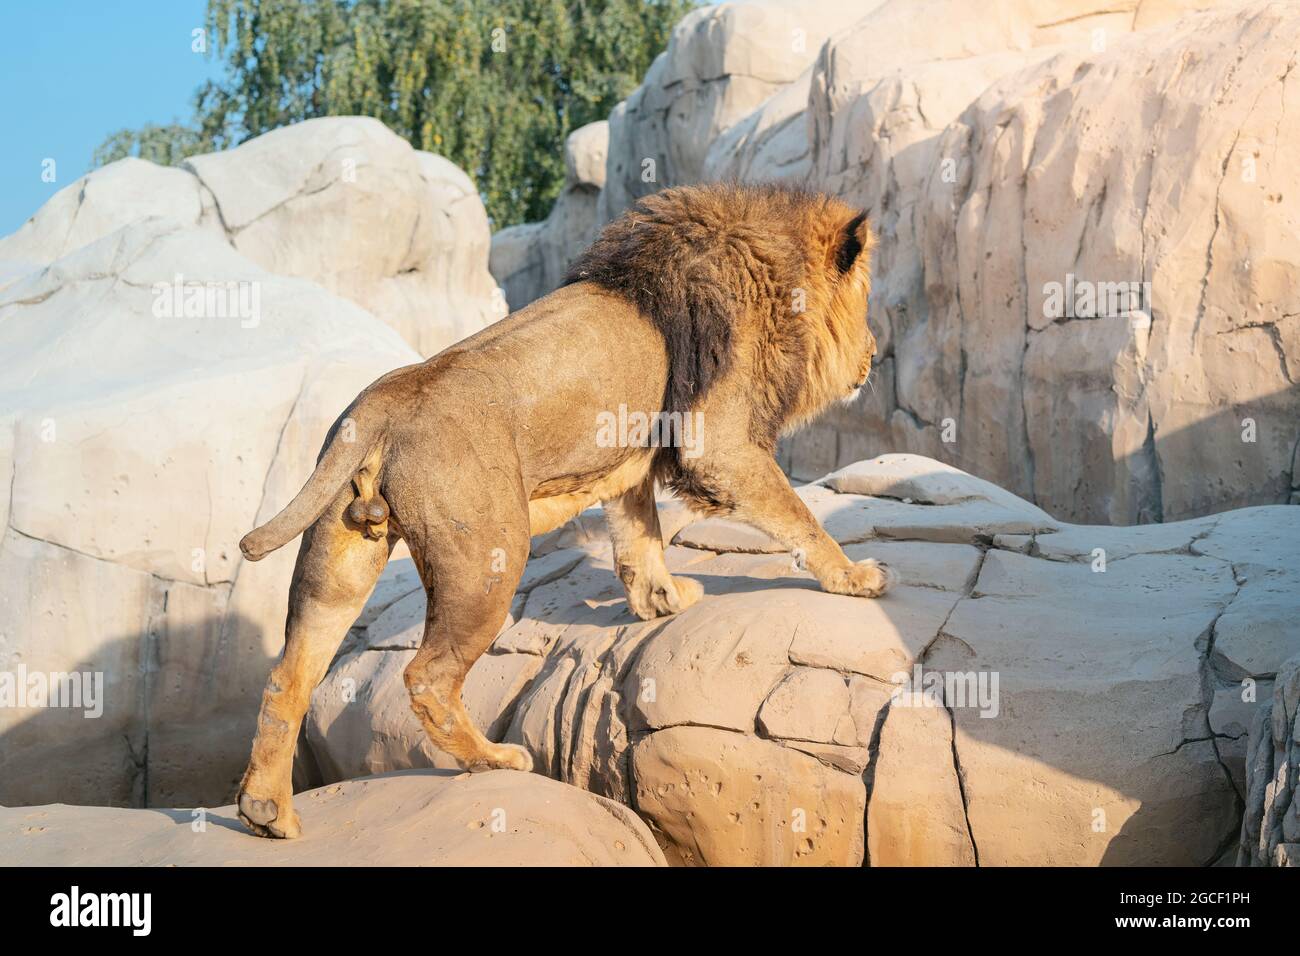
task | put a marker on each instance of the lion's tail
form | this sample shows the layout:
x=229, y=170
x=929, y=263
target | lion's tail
x=344, y=453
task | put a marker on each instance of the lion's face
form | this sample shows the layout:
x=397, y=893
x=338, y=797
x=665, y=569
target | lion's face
x=839, y=362
x=864, y=370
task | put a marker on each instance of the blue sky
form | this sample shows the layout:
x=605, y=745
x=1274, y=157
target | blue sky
x=74, y=71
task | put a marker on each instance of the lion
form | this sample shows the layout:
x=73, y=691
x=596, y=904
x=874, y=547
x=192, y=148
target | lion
x=744, y=306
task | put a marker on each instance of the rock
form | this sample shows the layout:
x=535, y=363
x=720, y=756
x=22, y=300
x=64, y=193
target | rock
x=769, y=144
x=722, y=62
x=530, y=260
x=916, y=814
x=951, y=141
x=138, y=446
x=341, y=201
x=100, y=203
x=812, y=705
x=1126, y=417
x=965, y=509
x=349, y=204
x=1270, y=826
x=722, y=799
x=500, y=818
x=1100, y=727
x=916, y=480
x=740, y=644
x=363, y=704
x=875, y=639
x=163, y=339
x=1099, y=715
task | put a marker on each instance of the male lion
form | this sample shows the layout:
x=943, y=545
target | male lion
x=746, y=306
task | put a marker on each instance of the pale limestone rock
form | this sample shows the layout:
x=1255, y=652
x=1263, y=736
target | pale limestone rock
x=732, y=642
x=918, y=480
x=361, y=722
x=347, y=203
x=1125, y=418
x=815, y=705
x=499, y=818
x=138, y=447
x=877, y=638
x=720, y=798
x=341, y=201
x=770, y=144
x=584, y=155
x=1231, y=712
x=1091, y=663
x=948, y=567
x=915, y=815
x=722, y=63
x=1096, y=543
x=965, y=509
x=102, y=202
x=530, y=260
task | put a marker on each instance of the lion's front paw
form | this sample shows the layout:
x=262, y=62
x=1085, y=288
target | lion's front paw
x=867, y=578
x=658, y=597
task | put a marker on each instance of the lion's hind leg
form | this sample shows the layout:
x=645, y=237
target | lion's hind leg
x=338, y=565
x=471, y=548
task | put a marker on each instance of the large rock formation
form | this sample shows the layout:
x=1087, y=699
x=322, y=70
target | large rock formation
x=408, y=819
x=722, y=63
x=1094, y=683
x=342, y=201
x=1028, y=153
x=530, y=260
x=170, y=372
x=1270, y=827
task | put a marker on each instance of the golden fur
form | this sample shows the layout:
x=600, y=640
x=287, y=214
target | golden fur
x=744, y=306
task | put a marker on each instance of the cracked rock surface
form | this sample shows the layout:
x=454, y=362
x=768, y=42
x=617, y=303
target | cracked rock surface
x=1115, y=141
x=1081, y=716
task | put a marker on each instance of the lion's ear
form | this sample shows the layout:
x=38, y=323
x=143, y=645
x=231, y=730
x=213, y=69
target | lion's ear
x=855, y=237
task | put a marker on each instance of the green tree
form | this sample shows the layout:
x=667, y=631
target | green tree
x=493, y=85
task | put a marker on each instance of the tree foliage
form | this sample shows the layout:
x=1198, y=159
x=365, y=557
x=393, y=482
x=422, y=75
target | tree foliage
x=493, y=85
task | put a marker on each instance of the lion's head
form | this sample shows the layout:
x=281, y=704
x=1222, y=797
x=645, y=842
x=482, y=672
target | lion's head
x=776, y=274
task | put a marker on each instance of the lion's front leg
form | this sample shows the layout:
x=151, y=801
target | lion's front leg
x=764, y=500
x=639, y=556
